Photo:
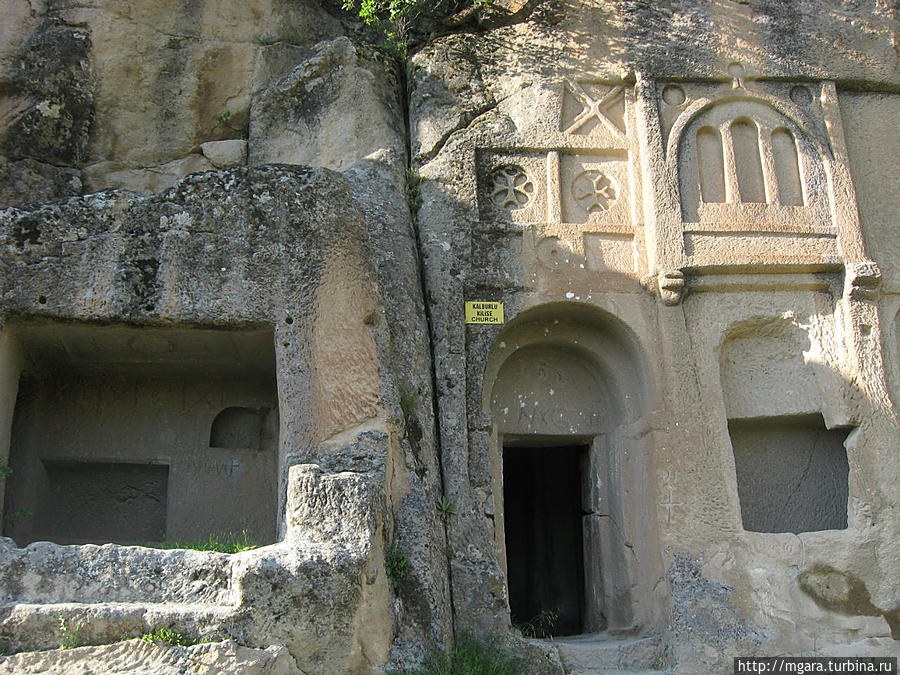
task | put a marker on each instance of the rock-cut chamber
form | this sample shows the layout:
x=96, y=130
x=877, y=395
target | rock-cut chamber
x=141, y=435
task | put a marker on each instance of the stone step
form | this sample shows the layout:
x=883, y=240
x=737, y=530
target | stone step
x=47, y=626
x=602, y=653
x=136, y=657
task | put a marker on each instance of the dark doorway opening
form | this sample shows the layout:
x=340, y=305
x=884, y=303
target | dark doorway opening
x=544, y=542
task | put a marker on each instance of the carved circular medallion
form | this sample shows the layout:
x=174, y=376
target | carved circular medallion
x=673, y=94
x=801, y=95
x=512, y=188
x=594, y=191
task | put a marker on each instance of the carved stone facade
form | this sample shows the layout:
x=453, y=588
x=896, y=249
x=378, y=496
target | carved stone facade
x=678, y=446
x=693, y=309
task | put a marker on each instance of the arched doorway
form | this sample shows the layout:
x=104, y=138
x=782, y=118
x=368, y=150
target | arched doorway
x=563, y=383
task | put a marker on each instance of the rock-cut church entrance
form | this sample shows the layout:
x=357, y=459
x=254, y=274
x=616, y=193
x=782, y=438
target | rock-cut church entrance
x=542, y=497
x=564, y=386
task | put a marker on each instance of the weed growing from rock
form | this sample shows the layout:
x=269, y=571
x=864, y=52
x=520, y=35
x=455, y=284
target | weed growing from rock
x=169, y=637
x=446, y=507
x=541, y=625
x=413, y=192
x=70, y=632
x=396, y=563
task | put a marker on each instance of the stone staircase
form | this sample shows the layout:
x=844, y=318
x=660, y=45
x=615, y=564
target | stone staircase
x=603, y=653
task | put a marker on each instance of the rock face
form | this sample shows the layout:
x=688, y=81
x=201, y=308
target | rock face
x=237, y=245
x=323, y=255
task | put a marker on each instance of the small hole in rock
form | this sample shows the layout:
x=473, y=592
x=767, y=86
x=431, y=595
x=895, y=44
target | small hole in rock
x=288, y=320
x=42, y=299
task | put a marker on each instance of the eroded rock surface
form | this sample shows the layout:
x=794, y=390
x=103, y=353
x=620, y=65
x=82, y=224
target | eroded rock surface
x=685, y=211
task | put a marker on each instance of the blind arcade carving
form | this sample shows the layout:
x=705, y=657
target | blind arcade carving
x=739, y=161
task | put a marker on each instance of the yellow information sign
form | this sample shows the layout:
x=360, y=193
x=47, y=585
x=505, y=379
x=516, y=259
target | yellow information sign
x=484, y=312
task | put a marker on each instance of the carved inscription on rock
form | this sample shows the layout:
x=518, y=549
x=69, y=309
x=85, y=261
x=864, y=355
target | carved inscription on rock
x=671, y=504
x=548, y=391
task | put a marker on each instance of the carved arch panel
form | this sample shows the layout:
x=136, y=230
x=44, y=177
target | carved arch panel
x=769, y=171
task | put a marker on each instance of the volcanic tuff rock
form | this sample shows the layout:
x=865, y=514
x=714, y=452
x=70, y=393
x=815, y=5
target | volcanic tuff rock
x=255, y=232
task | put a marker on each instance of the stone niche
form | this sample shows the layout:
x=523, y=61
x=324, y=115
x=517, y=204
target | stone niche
x=792, y=470
x=791, y=474
x=141, y=435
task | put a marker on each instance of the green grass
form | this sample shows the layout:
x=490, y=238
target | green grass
x=70, y=632
x=396, y=562
x=5, y=471
x=169, y=637
x=409, y=398
x=221, y=543
x=471, y=656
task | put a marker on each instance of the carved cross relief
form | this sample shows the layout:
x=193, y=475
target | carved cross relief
x=600, y=103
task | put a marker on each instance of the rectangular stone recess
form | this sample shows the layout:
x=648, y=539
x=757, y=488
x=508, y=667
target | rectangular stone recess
x=544, y=545
x=88, y=502
x=136, y=434
x=792, y=474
